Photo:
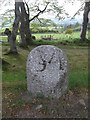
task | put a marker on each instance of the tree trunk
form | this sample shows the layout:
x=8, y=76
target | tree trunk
x=12, y=39
x=22, y=34
x=24, y=28
x=22, y=17
x=28, y=32
x=85, y=21
x=88, y=31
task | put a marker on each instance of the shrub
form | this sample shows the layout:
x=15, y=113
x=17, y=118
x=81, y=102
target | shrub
x=69, y=31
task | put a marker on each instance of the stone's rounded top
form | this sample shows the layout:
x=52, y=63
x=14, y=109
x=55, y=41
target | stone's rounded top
x=47, y=70
x=46, y=57
x=47, y=50
x=46, y=47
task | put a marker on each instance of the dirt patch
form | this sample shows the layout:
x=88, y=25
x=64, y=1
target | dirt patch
x=74, y=104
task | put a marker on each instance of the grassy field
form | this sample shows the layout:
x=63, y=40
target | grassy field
x=15, y=96
x=58, y=36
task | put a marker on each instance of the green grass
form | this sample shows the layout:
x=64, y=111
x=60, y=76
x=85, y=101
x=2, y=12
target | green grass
x=78, y=79
x=14, y=76
x=59, y=36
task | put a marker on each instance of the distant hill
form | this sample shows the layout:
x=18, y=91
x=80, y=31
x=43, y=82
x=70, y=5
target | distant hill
x=67, y=21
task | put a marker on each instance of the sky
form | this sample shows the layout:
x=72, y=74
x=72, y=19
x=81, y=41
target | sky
x=71, y=9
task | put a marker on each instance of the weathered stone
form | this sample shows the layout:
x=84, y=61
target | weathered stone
x=47, y=71
x=39, y=107
x=82, y=102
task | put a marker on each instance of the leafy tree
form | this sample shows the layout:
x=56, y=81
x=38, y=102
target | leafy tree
x=77, y=24
x=43, y=23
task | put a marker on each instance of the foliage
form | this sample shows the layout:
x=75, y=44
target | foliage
x=43, y=23
x=43, y=30
x=43, y=26
x=7, y=21
x=77, y=29
x=69, y=31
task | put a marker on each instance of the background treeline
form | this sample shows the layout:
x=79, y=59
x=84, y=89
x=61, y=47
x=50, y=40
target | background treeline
x=45, y=26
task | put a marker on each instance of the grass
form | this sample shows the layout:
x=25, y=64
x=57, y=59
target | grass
x=4, y=38
x=14, y=76
x=73, y=39
x=78, y=79
x=59, y=36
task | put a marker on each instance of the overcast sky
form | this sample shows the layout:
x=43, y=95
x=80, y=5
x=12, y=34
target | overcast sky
x=71, y=9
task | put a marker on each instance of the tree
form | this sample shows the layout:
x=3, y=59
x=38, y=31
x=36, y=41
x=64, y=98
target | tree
x=85, y=18
x=85, y=21
x=8, y=33
x=22, y=19
x=24, y=27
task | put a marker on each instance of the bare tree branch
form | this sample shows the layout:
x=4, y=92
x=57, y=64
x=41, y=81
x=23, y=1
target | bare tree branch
x=40, y=11
x=27, y=7
x=77, y=11
x=8, y=11
x=39, y=20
